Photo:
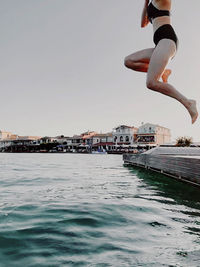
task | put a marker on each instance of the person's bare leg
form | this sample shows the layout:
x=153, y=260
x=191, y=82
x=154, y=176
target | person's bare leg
x=139, y=61
x=159, y=59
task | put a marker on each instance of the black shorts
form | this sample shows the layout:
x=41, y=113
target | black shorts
x=166, y=31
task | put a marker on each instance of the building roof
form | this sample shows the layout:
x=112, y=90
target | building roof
x=21, y=138
x=47, y=137
x=88, y=135
x=1, y=131
x=125, y=126
x=156, y=125
x=103, y=135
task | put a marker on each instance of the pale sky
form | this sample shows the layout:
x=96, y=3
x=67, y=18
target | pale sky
x=62, y=72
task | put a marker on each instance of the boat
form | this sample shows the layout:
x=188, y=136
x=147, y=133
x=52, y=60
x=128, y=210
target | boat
x=99, y=152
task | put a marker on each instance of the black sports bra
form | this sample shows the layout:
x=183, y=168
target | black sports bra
x=154, y=12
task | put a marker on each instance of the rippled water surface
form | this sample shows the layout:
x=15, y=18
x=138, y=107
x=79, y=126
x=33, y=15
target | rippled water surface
x=90, y=210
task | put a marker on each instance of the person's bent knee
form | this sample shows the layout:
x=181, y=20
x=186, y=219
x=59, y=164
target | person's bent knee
x=149, y=84
x=127, y=62
x=152, y=85
x=130, y=64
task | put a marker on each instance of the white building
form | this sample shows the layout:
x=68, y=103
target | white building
x=102, y=139
x=124, y=135
x=61, y=139
x=153, y=134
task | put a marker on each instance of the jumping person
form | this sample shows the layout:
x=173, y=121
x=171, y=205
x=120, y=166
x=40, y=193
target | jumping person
x=154, y=60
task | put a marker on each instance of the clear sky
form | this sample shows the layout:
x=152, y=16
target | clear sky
x=62, y=72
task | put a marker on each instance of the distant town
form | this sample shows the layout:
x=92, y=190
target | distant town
x=121, y=139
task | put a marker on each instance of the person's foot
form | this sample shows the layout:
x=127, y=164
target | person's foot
x=192, y=109
x=165, y=75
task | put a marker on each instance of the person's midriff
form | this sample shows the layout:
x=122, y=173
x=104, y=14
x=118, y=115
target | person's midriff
x=160, y=21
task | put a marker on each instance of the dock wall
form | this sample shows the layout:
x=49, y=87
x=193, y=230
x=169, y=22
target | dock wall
x=182, y=166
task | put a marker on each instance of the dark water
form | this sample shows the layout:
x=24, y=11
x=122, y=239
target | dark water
x=90, y=210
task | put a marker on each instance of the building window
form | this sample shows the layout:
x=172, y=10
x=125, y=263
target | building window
x=121, y=139
x=127, y=139
x=115, y=138
x=146, y=139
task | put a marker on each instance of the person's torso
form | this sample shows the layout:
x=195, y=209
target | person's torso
x=158, y=12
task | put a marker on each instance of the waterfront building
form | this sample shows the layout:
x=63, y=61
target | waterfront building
x=122, y=139
x=47, y=140
x=70, y=142
x=153, y=134
x=103, y=141
x=5, y=143
x=17, y=141
x=88, y=138
x=124, y=135
x=61, y=139
x=7, y=135
x=76, y=141
x=102, y=138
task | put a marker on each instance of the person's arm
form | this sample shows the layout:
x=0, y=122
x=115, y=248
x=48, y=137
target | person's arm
x=144, y=19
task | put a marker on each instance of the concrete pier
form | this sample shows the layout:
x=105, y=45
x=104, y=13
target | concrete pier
x=177, y=162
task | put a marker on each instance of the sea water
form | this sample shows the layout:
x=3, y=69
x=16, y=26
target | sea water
x=91, y=210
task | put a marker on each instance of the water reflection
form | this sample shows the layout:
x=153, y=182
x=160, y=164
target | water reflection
x=169, y=188
x=180, y=199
